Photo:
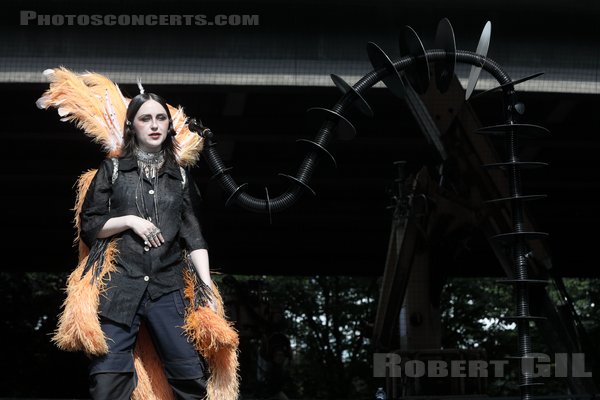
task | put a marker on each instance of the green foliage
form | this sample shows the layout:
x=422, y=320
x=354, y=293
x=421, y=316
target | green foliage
x=30, y=305
x=585, y=294
x=327, y=319
x=328, y=323
x=471, y=309
x=471, y=312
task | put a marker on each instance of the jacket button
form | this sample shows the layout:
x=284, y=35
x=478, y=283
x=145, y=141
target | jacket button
x=146, y=248
x=151, y=191
x=146, y=278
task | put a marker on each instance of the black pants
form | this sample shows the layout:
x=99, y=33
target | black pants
x=112, y=377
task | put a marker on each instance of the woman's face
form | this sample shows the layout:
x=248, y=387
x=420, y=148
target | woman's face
x=151, y=125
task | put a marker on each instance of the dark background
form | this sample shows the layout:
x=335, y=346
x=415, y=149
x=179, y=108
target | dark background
x=344, y=229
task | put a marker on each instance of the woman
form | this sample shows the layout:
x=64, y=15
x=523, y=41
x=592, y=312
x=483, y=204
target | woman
x=151, y=207
x=137, y=215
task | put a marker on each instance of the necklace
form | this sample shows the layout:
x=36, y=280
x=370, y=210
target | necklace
x=149, y=164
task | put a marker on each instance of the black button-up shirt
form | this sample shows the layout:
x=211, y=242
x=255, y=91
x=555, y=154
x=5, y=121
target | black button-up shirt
x=158, y=270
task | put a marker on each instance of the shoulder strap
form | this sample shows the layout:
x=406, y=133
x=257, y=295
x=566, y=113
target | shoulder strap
x=182, y=176
x=115, y=173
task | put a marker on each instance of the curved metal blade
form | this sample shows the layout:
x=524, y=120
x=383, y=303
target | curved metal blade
x=444, y=70
x=359, y=102
x=521, y=80
x=417, y=73
x=378, y=60
x=482, y=49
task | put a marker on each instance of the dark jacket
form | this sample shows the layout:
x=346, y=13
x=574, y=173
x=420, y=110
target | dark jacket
x=140, y=268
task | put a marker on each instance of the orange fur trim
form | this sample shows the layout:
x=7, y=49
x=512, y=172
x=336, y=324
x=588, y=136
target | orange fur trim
x=190, y=143
x=82, y=184
x=223, y=383
x=211, y=334
x=97, y=106
x=91, y=101
x=216, y=340
x=78, y=326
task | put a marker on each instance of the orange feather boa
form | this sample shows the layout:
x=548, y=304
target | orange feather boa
x=211, y=333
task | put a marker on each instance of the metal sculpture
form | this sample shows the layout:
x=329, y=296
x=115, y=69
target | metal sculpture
x=413, y=69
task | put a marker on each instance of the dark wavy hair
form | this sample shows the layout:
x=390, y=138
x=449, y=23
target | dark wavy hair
x=170, y=146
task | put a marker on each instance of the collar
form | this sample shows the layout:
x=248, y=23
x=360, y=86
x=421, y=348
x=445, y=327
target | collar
x=130, y=163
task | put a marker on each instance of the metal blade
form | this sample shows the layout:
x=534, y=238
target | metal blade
x=482, y=49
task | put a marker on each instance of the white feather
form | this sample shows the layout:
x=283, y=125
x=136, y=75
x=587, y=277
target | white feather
x=42, y=103
x=139, y=84
x=114, y=125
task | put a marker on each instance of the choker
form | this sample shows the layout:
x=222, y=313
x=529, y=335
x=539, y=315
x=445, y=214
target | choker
x=149, y=163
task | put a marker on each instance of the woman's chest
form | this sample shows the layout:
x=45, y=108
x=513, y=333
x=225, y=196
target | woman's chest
x=130, y=191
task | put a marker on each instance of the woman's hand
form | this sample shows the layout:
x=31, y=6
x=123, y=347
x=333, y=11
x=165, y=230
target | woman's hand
x=146, y=230
x=211, y=303
x=199, y=259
